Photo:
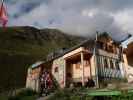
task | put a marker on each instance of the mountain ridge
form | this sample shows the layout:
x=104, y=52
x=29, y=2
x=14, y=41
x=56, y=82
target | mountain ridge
x=21, y=46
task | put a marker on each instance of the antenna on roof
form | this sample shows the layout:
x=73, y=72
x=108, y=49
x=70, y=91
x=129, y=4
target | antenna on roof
x=97, y=33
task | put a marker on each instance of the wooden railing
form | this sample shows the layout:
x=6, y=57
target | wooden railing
x=109, y=73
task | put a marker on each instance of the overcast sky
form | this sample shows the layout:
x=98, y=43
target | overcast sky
x=78, y=17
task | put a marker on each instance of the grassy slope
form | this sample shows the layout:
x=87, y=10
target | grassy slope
x=22, y=46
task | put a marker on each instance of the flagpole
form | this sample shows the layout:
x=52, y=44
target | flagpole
x=95, y=59
x=2, y=3
x=3, y=14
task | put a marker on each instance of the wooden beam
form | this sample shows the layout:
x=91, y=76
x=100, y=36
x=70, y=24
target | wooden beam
x=64, y=73
x=82, y=65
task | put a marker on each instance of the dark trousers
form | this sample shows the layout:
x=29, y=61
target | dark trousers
x=43, y=90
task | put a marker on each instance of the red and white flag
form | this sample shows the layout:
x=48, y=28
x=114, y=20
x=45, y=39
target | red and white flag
x=3, y=15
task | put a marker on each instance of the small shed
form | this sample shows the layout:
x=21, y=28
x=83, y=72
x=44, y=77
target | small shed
x=33, y=75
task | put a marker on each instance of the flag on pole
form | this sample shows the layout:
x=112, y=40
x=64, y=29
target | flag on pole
x=3, y=15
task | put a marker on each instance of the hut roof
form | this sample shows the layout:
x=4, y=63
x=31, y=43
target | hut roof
x=37, y=64
x=89, y=43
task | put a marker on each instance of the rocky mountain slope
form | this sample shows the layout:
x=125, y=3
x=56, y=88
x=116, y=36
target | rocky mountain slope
x=22, y=46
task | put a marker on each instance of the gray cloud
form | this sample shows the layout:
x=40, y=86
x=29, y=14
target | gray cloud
x=78, y=17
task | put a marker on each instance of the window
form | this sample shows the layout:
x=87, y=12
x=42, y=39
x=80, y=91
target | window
x=78, y=65
x=111, y=64
x=104, y=46
x=114, y=49
x=56, y=69
x=105, y=63
x=117, y=65
x=100, y=45
x=111, y=49
x=108, y=48
x=86, y=63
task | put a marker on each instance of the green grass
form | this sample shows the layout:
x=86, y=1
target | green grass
x=82, y=94
x=2, y=97
x=24, y=94
x=28, y=98
x=69, y=94
x=23, y=98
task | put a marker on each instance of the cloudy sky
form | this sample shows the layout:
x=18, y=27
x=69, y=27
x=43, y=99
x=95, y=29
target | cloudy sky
x=78, y=17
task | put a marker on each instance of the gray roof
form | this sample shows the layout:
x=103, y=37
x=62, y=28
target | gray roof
x=87, y=43
x=37, y=64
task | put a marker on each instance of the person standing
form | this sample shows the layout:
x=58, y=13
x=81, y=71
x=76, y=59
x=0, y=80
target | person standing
x=43, y=82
